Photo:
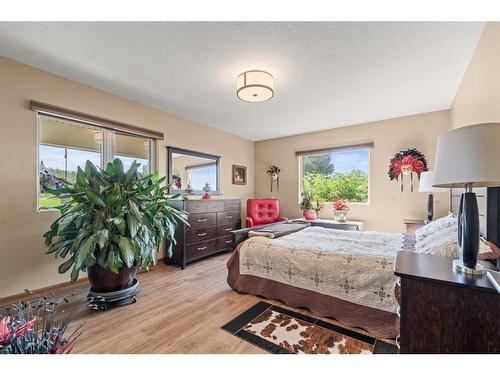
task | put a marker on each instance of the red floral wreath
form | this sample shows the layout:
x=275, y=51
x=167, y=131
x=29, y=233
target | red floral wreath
x=407, y=162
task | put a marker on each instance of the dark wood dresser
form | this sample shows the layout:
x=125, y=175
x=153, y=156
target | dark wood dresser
x=445, y=312
x=211, y=222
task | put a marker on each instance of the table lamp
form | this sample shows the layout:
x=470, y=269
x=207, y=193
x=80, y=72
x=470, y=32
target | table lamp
x=425, y=186
x=465, y=158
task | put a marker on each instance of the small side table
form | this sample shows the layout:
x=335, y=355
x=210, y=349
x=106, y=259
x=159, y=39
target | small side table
x=443, y=311
x=412, y=225
x=325, y=223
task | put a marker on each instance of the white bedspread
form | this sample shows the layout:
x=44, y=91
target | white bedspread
x=350, y=265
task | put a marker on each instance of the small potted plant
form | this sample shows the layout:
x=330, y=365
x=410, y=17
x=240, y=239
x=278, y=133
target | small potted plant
x=307, y=206
x=112, y=224
x=340, y=209
x=37, y=327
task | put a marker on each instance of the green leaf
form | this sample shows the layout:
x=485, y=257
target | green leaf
x=118, y=166
x=66, y=265
x=132, y=225
x=102, y=238
x=74, y=274
x=84, y=251
x=134, y=210
x=126, y=251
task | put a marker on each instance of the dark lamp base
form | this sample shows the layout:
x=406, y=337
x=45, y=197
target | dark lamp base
x=459, y=267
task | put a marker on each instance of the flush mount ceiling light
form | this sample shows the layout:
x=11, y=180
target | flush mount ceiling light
x=254, y=86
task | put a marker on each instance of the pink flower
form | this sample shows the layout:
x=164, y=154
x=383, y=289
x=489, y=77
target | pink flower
x=340, y=205
x=5, y=332
x=21, y=330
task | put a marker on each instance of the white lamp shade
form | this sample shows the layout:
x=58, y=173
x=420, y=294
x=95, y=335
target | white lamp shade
x=468, y=155
x=427, y=182
x=255, y=86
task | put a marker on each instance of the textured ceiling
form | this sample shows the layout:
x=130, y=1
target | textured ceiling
x=327, y=75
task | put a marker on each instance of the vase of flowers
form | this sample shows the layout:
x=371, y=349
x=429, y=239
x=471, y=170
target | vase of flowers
x=340, y=209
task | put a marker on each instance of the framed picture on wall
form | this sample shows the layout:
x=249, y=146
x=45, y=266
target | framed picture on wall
x=239, y=175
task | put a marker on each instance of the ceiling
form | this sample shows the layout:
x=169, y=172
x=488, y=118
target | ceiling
x=327, y=74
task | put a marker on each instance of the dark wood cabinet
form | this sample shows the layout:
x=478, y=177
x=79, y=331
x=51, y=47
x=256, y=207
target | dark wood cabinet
x=209, y=230
x=443, y=311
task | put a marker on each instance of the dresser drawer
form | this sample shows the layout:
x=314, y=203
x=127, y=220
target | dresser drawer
x=196, y=207
x=200, y=234
x=228, y=217
x=201, y=248
x=225, y=230
x=202, y=220
x=225, y=243
x=215, y=206
x=232, y=205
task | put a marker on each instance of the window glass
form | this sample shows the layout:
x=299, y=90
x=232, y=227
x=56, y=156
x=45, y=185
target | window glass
x=337, y=175
x=129, y=148
x=64, y=146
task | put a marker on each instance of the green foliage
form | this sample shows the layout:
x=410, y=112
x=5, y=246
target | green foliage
x=352, y=186
x=321, y=164
x=112, y=218
x=307, y=200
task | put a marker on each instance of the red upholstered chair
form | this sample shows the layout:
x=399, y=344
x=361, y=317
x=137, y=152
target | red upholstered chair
x=263, y=211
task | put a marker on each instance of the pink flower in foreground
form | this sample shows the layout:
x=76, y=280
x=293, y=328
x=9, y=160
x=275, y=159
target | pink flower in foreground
x=5, y=332
x=21, y=330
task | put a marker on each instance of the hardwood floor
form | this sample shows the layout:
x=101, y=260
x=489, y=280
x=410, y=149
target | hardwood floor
x=178, y=311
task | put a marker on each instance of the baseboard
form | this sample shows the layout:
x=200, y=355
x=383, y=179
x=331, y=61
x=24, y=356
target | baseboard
x=60, y=287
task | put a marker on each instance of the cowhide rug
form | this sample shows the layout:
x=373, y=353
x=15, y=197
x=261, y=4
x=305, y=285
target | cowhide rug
x=281, y=331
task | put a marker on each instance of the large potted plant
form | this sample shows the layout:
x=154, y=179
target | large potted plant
x=111, y=224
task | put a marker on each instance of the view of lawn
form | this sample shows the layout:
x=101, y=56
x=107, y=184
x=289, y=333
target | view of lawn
x=48, y=201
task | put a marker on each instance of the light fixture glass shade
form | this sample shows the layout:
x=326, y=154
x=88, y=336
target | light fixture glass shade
x=255, y=86
x=426, y=182
x=468, y=155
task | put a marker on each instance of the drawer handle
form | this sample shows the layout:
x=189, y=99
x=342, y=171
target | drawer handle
x=202, y=220
x=228, y=229
x=201, y=248
x=229, y=217
x=202, y=234
x=228, y=241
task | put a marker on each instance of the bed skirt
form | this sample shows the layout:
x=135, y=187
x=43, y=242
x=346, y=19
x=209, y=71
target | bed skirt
x=378, y=323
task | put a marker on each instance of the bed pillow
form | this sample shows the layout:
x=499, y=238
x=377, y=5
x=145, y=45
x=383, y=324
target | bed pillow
x=436, y=226
x=445, y=243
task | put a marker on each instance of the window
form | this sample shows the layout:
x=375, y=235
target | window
x=333, y=174
x=65, y=145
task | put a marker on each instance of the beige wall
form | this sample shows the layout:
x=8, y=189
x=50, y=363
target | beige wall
x=478, y=97
x=23, y=263
x=388, y=206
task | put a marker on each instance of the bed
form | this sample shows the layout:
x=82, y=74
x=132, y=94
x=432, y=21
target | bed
x=345, y=275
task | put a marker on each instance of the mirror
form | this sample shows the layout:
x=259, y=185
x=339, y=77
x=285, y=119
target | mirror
x=191, y=171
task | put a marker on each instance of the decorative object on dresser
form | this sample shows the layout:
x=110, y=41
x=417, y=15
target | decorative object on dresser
x=239, y=175
x=443, y=311
x=466, y=157
x=263, y=211
x=425, y=186
x=405, y=163
x=211, y=222
x=411, y=225
x=274, y=172
x=206, y=189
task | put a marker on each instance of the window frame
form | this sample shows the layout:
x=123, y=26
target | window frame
x=328, y=151
x=106, y=149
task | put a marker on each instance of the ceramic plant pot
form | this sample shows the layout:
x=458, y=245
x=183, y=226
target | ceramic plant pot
x=310, y=215
x=103, y=280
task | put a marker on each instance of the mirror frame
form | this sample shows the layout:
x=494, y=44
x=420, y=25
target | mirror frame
x=171, y=150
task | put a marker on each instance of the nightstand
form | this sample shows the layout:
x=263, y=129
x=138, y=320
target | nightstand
x=412, y=225
x=445, y=312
